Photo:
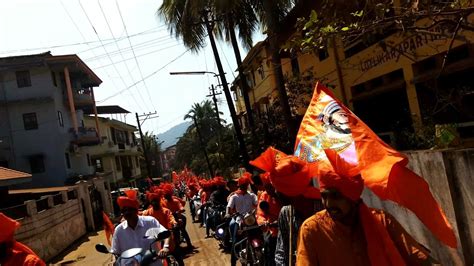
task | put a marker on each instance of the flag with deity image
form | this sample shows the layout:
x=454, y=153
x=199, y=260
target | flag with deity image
x=331, y=132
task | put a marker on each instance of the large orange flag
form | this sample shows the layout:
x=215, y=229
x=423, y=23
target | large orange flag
x=329, y=125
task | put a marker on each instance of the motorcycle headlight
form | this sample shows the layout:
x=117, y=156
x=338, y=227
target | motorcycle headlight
x=220, y=233
x=249, y=220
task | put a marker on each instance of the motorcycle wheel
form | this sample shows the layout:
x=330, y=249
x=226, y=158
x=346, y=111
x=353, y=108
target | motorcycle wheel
x=171, y=260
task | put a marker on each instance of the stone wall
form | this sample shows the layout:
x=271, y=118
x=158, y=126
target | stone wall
x=450, y=176
x=50, y=231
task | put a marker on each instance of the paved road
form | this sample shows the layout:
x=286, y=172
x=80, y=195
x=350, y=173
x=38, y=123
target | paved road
x=83, y=251
x=207, y=252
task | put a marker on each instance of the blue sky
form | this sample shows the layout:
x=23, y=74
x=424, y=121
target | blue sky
x=62, y=27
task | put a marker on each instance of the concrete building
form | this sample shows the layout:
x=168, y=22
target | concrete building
x=117, y=157
x=392, y=82
x=42, y=129
x=167, y=158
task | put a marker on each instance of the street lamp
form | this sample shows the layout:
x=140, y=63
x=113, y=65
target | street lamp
x=235, y=121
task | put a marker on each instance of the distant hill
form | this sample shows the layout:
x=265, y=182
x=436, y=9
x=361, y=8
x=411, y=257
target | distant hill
x=170, y=137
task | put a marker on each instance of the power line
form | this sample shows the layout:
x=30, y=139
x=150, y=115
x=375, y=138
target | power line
x=155, y=51
x=134, y=55
x=115, y=67
x=225, y=57
x=82, y=35
x=155, y=72
x=118, y=48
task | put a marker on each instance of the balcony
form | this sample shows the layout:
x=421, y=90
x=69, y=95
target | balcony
x=86, y=136
x=82, y=97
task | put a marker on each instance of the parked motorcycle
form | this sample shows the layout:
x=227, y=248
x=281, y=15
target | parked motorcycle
x=139, y=256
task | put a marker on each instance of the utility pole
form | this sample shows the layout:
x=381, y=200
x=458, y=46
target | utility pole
x=145, y=148
x=203, y=147
x=230, y=103
x=214, y=99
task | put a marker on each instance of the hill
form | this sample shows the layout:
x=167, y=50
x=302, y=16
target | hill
x=170, y=137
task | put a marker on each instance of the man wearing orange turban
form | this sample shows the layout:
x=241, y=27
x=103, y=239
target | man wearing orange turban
x=242, y=202
x=347, y=232
x=13, y=253
x=130, y=233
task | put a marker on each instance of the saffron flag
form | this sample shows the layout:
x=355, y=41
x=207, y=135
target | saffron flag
x=108, y=227
x=331, y=132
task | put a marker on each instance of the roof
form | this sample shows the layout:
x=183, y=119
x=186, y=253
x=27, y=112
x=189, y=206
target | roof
x=11, y=177
x=72, y=61
x=41, y=190
x=114, y=122
x=254, y=52
x=106, y=109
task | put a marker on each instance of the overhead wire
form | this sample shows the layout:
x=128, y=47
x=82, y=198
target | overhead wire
x=82, y=35
x=115, y=67
x=150, y=75
x=118, y=48
x=134, y=55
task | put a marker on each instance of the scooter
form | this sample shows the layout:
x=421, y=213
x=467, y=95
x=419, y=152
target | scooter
x=139, y=256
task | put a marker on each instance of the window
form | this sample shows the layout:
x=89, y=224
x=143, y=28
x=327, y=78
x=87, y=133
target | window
x=117, y=164
x=23, y=79
x=98, y=165
x=53, y=77
x=29, y=121
x=295, y=68
x=68, y=161
x=88, y=159
x=36, y=164
x=261, y=72
x=60, y=119
x=240, y=91
x=323, y=54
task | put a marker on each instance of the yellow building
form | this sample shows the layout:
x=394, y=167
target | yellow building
x=117, y=156
x=391, y=83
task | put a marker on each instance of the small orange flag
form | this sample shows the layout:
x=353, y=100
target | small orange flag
x=331, y=132
x=108, y=227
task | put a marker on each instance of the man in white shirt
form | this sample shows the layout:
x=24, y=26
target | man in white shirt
x=241, y=202
x=131, y=232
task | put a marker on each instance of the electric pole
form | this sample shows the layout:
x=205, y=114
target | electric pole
x=203, y=147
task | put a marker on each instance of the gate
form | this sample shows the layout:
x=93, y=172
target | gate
x=97, y=206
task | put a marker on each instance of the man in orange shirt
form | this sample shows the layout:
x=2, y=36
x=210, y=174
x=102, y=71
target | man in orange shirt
x=162, y=214
x=13, y=253
x=267, y=212
x=347, y=232
x=175, y=206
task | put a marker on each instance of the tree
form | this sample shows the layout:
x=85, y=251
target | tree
x=190, y=21
x=154, y=153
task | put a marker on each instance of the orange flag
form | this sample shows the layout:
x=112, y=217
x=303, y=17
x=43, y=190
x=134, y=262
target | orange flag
x=108, y=227
x=331, y=132
x=268, y=159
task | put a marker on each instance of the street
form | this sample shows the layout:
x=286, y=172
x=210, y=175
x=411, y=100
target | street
x=83, y=252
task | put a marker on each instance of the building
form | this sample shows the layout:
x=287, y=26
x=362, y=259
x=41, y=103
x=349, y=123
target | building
x=116, y=157
x=42, y=128
x=393, y=82
x=167, y=158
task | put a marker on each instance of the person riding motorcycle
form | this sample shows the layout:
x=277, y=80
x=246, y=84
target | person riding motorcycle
x=130, y=233
x=241, y=202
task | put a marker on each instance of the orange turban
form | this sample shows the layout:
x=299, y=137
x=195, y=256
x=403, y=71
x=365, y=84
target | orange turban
x=8, y=228
x=245, y=179
x=128, y=201
x=156, y=195
x=219, y=181
x=167, y=189
x=291, y=176
x=350, y=187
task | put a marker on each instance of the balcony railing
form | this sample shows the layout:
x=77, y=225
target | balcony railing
x=86, y=136
x=82, y=97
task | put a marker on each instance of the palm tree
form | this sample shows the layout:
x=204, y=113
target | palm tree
x=190, y=21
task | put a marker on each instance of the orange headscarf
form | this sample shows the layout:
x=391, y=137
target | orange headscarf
x=128, y=201
x=245, y=179
x=380, y=247
x=219, y=181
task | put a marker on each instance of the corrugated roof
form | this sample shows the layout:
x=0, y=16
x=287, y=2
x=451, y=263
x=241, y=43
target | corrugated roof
x=8, y=174
x=106, y=109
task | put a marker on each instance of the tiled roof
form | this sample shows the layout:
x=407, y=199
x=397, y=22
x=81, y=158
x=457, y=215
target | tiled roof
x=8, y=174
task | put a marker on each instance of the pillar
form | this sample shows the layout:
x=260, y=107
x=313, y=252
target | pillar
x=97, y=129
x=412, y=97
x=70, y=98
x=85, y=201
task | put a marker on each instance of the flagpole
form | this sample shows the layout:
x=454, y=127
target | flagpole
x=290, y=249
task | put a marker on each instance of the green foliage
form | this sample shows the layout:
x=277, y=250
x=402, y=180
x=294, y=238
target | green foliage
x=153, y=151
x=218, y=140
x=300, y=88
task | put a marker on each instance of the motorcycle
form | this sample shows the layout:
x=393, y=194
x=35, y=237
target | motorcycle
x=139, y=256
x=196, y=203
x=215, y=216
x=249, y=248
x=222, y=234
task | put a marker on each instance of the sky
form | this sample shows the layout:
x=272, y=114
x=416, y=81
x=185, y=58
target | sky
x=102, y=33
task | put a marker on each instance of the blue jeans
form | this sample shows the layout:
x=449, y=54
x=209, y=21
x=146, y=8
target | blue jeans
x=233, y=226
